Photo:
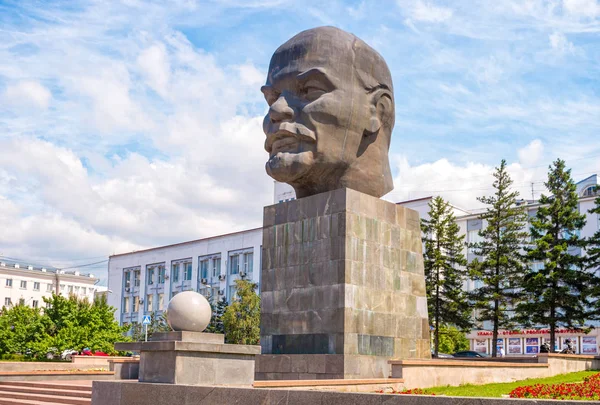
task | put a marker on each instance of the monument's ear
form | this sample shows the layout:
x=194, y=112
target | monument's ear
x=381, y=111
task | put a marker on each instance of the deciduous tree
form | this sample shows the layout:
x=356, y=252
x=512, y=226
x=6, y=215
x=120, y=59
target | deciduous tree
x=241, y=319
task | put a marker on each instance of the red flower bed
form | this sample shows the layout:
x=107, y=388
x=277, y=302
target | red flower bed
x=589, y=389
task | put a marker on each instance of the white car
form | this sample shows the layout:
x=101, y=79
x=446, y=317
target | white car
x=68, y=354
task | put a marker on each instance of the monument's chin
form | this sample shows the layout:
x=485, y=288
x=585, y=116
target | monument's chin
x=288, y=166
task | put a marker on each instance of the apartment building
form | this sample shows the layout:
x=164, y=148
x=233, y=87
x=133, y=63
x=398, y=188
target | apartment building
x=144, y=281
x=28, y=285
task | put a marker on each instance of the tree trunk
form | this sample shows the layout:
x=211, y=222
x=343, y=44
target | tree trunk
x=552, y=336
x=437, y=317
x=495, y=332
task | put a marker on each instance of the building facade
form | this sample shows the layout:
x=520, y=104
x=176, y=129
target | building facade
x=143, y=282
x=28, y=285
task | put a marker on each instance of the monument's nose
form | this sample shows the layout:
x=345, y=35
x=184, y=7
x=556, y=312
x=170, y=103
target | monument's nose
x=280, y=111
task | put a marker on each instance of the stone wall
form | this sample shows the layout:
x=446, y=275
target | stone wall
x=131, y=393
x=436, y=373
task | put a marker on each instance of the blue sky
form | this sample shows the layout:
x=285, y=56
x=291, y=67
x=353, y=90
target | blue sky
x=129, y=124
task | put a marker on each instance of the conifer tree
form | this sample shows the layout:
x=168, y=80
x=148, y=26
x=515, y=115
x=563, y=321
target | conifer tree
x=444, y=269
x=216, y=322
x=556, y=294
x=500, y=264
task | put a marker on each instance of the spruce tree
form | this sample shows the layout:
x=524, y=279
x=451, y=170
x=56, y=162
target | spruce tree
x=216, y=322
x=444, y=269
x=556, y=294
x=500, y=264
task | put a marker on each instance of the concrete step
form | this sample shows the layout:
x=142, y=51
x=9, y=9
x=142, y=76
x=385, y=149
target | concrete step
x=63, y=391
x=43, y=398
x=26, y=402
x=47, y=384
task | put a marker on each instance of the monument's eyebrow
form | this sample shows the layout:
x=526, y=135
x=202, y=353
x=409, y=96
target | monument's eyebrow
x=316, y=73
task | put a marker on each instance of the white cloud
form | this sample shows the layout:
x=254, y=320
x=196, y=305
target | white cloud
x=582, y=8
x=460, y=184
x=531, y=154
x=154, y=63
x=428, y=12
x=28, y=93
x=560, y=43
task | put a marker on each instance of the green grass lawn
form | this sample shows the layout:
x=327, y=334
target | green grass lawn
x=499, y=389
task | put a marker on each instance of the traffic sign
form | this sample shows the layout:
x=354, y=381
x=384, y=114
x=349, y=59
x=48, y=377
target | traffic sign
x=146, y=320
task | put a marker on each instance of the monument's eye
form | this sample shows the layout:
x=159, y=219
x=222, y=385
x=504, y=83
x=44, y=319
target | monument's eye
x=312, y=91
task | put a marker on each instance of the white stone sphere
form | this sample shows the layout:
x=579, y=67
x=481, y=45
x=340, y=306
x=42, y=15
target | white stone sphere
x=189, y=311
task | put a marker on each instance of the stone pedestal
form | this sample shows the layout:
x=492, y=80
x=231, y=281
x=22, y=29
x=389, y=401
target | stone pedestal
x=342, y=288
x=193, y=358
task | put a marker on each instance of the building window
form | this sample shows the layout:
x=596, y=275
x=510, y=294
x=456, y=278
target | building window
x=473, y=237
x=149, y=306
x=125, y=304
x=216, y=271
x=204, y=268
x=537, y=266
x=62, y=288
x=70, y=289
x=232, y=293
x=136, y=304
x=24, y=284
x=590, y=191
x=7, y=302
x=160, y=301
x=36, y=286
x=150, y=276
x=48, y=305
x=34, y=304
x=175, y=272
x=77, y=290
x=248, y=259
x=48, y=287
x=21, y=301
x=136, y=278
x=161, y=274
x=83, y=290
x=9, y=282
x=188, y=271
x=127, y=279
x=234, y=264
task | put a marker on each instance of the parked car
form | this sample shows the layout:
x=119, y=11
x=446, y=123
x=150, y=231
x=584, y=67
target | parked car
x=88, y=352
x=68, y=354
x=442, y=355
x=470, y=353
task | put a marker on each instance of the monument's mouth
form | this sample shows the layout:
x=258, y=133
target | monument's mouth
x=286, y=144
x=287, y=137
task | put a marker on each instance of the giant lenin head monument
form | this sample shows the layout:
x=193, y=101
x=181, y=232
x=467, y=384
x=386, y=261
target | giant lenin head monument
x=343, y=290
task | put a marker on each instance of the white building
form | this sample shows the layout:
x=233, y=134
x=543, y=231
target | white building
x=28, y=285
x=282, y=192
x=143, y=282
